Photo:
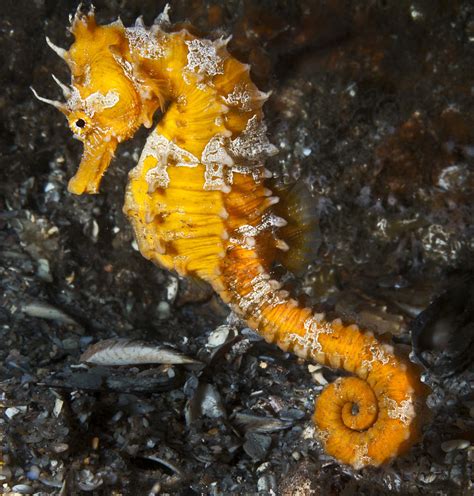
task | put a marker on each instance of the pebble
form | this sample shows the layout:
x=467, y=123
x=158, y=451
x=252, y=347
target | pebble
x=267, y=484
x=172, y=289
x=60, y=447
x=11, y=412
x=70, y=343
x=319, y=378
x=164, y=310
x=454, y=444
x=219, y=336
x=33, y=473
x=211, y=402
x=470, y=454
x=257, y=445
x=22, y=489
x=44, y=310
x=5, y=474
x=58, y=406
x=427, y=478
x=312, y=367
x=43, y=271
x=156, y=489
x=263, y=467
x=296, y=455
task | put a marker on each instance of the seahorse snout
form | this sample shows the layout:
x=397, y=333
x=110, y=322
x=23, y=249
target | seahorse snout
x=95, y=160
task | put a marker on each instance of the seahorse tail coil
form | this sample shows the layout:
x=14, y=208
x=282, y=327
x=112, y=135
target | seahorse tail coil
x=363, y=420
x=369, y=422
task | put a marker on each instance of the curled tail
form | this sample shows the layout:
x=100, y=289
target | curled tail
x=366, y=419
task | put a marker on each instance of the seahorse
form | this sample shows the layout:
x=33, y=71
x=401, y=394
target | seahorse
x=200, y=204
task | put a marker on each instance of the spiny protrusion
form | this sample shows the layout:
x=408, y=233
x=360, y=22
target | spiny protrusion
x=60, y=106
x=163, y=19
x=139, y=22
x=272, y=200
x=65, y=89
x=281, y=245
x=267, y=192
x=222, y=42
x=263, y=95
x=58, y=50
x=283, y=294
x=117, y=23
x=274, y=284
x=278, y=221
x=223, y=214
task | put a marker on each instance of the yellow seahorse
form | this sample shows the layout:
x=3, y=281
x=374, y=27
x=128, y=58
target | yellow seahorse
x=200, y=205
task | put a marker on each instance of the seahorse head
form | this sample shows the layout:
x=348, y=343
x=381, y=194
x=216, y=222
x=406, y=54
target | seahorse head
x=105, y=104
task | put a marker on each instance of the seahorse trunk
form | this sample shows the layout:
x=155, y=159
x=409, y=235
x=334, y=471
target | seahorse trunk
x=362, y=420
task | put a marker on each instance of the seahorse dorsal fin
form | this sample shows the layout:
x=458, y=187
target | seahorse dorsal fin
x=298, y=207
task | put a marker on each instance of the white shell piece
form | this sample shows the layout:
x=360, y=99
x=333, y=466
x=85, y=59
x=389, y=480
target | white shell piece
x=128, y=352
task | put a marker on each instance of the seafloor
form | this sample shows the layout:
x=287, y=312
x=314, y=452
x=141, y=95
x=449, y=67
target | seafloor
x=372, y=108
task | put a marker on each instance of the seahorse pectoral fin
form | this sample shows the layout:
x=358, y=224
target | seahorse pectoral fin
x=95, y=160
x=301, y=233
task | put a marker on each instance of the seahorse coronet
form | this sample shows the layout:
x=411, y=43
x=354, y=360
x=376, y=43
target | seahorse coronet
x=199, y=205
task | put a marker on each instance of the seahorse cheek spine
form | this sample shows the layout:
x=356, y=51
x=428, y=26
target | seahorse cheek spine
x=198, y=204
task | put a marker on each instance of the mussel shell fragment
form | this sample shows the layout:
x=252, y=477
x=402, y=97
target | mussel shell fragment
x=443, y=334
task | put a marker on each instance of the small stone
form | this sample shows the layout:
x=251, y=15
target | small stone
x=58, y=406
x=455, y=444
x=22, y=489
x=5, y=474
x=11, y=412
x=14, y=410
x=43, y=271
x=427, y=478
x=263, y=467
x=60, y=447
x=33, y=473
x=172, y=289
x=219, y=336
x=470, y=454
x=164, y=310
x=296, y=455
x=257, y=445
x=156, y=489
x=267, y=484
x=319, y=378
x=70, y=343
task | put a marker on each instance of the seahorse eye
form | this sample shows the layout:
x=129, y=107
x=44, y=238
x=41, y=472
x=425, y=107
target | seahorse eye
x=80, y=123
